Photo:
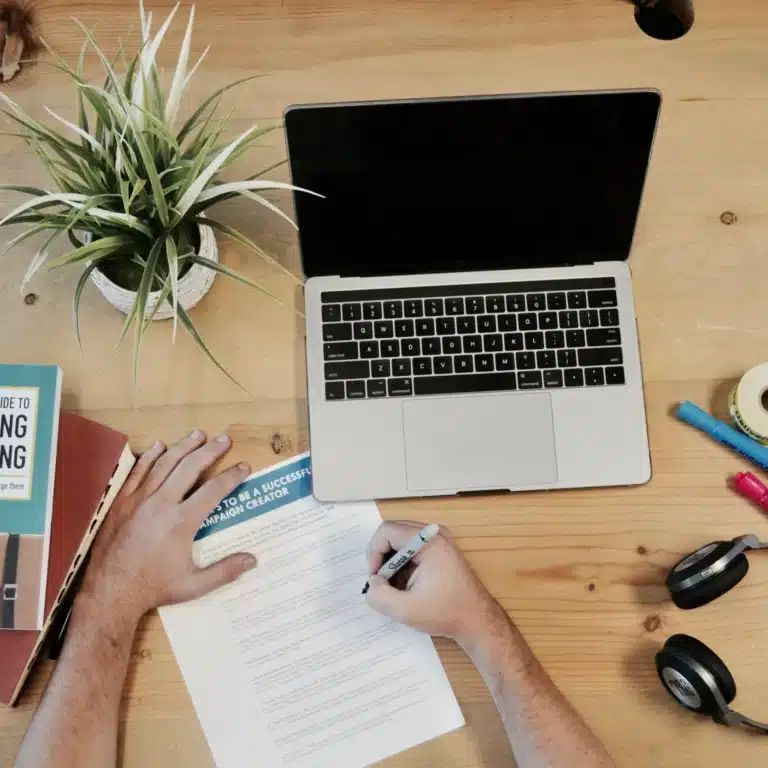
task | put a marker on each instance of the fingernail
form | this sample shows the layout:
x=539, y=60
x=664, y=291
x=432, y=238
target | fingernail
x=196, y=434
x=157, y=446
x=222, y=439
x=243, y=467
x=248, y=562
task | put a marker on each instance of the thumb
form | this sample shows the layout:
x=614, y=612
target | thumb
x=222, y=573
x=384, y=598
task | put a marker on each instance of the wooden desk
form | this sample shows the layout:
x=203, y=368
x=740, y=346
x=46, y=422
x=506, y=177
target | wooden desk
x=582, y=573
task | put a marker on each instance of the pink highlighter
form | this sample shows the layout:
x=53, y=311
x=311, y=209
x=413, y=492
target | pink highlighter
x=748, y=485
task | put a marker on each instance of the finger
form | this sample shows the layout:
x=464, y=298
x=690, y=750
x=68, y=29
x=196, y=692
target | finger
x=189, y=470
x=389, y=536
x=387, y=600
x=141, y=468
x=202, y=502
x=205, y=580
x=170, y=460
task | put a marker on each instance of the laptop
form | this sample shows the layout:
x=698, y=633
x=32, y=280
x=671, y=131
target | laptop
x=469, y=314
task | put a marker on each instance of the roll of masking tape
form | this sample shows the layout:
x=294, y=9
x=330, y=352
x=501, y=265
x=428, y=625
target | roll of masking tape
x=748, y=403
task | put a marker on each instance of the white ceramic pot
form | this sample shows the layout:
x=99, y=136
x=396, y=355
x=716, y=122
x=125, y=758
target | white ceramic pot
x=192, y=286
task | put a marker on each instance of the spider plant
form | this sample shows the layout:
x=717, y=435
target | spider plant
x=134, y=180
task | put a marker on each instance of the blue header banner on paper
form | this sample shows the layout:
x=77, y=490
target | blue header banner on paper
x=260, y=494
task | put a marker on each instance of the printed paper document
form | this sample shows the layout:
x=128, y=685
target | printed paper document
x=289, y=667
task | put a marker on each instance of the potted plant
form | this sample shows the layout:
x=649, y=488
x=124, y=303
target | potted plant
x=133, y=188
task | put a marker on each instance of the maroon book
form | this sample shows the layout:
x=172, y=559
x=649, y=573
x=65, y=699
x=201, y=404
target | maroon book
x=92, y=464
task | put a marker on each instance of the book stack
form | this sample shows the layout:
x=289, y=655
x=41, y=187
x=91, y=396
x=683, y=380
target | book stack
x=59, y=474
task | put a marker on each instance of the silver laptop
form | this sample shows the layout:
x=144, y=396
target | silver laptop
x=470, y=324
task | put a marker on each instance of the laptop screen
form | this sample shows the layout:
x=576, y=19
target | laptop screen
x=469, y=183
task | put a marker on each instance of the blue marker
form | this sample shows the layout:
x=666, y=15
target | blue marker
x=746, y=446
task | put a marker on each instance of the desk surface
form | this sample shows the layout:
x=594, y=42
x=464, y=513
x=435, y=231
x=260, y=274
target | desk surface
x=581, y=572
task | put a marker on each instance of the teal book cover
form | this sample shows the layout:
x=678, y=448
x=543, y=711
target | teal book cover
x=30, y=396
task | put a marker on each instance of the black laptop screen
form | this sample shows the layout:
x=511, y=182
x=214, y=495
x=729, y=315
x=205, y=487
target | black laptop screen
x=469, y=184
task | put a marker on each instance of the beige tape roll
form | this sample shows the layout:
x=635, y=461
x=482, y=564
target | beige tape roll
x=748, y=403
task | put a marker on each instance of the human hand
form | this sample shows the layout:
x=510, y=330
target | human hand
x=442, y=594
x=142, y=557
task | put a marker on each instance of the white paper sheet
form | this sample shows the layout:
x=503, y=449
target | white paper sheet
x=288, y=667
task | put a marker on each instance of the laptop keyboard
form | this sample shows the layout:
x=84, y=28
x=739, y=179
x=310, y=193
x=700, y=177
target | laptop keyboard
x=446, y=340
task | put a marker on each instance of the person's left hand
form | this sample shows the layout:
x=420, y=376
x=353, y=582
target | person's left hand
x=142, y=557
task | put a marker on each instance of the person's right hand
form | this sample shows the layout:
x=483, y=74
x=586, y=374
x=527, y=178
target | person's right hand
x=443, y=594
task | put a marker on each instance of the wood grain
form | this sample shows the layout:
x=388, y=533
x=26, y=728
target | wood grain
x=581, y=572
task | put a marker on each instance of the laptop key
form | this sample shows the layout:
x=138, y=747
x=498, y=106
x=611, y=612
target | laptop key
x=614, y=375
x=381, y=368
x=443, y=364
x=588, y=318
x=515, y=303
x=454, y=306
x=451, y=345
x=486, y=324
x=393, y=309
x=536, y=301
x=372, y=310
x=594, y=377
x=355, y=390
x=553, y=379
x=574, y=377
x=331, y=314
x=547, y=321
x=433, y=307
x=603, y=337
x=410, y=347
x=494, y=304
x=529, y=380
x=353, y=369
x=446, y=326
x=376, y=388
x=505, y=361
x=390, y=348
x=534, y=340
x=466, y=324
x=507, y=323
x=422, y=366
x=513, y=341
x=554, y=339
x=363, y=330
x=566, y=358
x=463, y=364
x=577, y=300
x=569, y=319
x=344, y=350
x=472, y=344
x=404, y=328
x=400, y=387
x=455, y=385
x=600, y=356
x=602, y=299
x=351, y=312
x=413, y=308
x=401, y=368
x=546, y=360
x=384, y=329
x=493, y=342
x=475, y=305
x=609, y=317
x=525, y=361
x=555, y=301
x=575, y=338
x=431, y=346
x=425, y=327
x=484, y=363
x=527, y=322
x=369, y=349
x=337, y=332
x=334, y=390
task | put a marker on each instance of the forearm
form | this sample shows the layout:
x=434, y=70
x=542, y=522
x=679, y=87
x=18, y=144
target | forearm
x=76, y=723
x=543, y=728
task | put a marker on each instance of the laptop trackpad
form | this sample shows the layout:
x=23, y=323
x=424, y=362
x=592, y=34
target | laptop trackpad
x=482, y=442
